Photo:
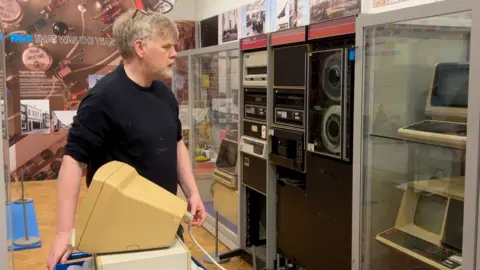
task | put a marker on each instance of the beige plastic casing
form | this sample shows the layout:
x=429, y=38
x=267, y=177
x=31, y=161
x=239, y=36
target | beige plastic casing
x=123, y=211
x=177, y=257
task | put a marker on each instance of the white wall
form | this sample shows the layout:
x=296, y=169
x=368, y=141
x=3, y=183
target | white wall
x=368, y=6
x=184, y=10
x=208, y=8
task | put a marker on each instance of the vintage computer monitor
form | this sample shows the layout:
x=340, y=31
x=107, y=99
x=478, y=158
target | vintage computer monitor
x=226, y=164
x=447, y=105
x=429, y=225
x=129, y=222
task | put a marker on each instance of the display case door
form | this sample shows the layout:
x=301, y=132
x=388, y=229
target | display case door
x=6, y=226
x=397, y=55
x=213, y=135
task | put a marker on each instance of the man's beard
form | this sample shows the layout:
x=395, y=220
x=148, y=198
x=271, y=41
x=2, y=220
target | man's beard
x=167, y=73
x=160, y=74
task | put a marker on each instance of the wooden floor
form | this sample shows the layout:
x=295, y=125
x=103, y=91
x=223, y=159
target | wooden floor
x=44, y=196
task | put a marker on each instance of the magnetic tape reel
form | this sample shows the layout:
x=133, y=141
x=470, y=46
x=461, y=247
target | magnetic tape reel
x=332, y=77
x=329, y=129
x=332, y=72
x=332, y=129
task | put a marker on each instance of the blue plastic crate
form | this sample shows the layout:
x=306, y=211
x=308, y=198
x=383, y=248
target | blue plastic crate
x=81, y=255
x=73, y=256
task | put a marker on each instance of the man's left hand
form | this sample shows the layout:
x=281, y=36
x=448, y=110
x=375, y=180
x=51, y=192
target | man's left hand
x=197, y=209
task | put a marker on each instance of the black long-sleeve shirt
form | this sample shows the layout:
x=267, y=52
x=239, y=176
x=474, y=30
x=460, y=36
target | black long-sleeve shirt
x=121, y=120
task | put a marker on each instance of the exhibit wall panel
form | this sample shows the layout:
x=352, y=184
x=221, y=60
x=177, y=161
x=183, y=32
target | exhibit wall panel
x=399, y=54
x=52, y=89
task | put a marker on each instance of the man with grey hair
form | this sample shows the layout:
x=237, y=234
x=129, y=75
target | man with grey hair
x=132, y=117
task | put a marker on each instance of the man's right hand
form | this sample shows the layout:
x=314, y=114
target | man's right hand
x=60, y=250
x=69, y=181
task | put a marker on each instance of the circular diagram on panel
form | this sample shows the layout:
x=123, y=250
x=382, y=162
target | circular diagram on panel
x=332, y=77
x=11, y=12
x=163, y=6
x=36, y=58
x=331, y=129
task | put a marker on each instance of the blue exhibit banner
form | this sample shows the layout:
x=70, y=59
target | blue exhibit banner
x=17, y=38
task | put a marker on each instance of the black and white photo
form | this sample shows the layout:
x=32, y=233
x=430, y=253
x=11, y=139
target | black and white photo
x=282, y=14
x=289, y=14
x=62, y=119
x=229, y=25
x=321, y=10
x=93, y=79
x=35, y=116
x=255, y=18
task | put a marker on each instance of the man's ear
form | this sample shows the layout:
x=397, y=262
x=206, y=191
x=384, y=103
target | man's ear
x=139, y=47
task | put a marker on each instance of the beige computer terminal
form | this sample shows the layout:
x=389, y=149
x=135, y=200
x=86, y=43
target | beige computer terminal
x=429, y=225
x=446, y=105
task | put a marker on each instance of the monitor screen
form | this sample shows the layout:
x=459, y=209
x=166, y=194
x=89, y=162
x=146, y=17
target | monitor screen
x=450, y=86
x=453, y=235
x=430, y=212
x=227, y=156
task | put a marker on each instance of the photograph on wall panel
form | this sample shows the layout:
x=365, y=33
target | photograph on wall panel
x=254, y=18
x=93, y=79
x=289, y=14
x=54, y=57
x=35, y=116
x=322, y=10
x=156, y=5
x=62, y=119
x=229, y=26
x=209, y=32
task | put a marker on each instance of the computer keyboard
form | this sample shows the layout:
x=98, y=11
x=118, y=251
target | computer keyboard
x=447, y=128
x=438, y=254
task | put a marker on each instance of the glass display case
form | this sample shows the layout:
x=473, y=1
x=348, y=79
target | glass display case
x=180, y=89
x=214, y=142
x=412, y=159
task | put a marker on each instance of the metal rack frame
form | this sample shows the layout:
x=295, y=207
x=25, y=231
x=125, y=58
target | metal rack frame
x=5, y=181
